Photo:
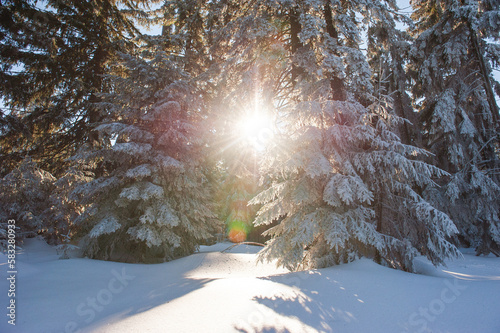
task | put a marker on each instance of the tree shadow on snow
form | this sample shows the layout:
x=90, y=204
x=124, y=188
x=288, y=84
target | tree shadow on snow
x=313, y=305
x=139, y=301
x=127, y=293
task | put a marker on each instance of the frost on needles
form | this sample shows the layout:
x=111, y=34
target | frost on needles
x=340, y=181
x=348, y=190
x=459, y=115
x=385, y=141
x=154, y=202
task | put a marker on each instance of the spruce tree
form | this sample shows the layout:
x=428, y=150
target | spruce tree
x=453, y=94
x=153, y=202
x=340, y=180
x=54, y=57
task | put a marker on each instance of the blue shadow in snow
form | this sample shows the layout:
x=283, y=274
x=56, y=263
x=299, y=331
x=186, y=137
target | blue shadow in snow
x=312, y=309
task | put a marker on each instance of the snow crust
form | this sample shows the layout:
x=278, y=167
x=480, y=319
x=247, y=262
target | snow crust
x=214, y=291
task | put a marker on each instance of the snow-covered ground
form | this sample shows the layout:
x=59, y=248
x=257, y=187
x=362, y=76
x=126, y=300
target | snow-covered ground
x=212, y=291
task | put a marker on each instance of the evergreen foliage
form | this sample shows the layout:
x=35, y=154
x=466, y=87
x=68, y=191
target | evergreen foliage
x=40, y=203
x=340, y=180
x=453, y=95
x=387, y=53
x=154, y=201
x=23, y=198
x=119, y=138
x=54, y=56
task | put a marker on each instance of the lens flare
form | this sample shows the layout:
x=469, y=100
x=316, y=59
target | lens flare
x=237, y=231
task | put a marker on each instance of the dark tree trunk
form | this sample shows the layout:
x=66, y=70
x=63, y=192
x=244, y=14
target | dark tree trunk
x=295, y=42
x=410, y=133
x=486, y=80
x=336, y=83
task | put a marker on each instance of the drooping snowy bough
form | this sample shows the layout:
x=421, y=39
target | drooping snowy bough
x=153, y=200
x=339, y=180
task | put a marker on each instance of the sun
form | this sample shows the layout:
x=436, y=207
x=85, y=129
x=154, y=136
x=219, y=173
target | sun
x=256, y=128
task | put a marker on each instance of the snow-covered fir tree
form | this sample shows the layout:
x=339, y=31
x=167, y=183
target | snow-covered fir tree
x=40, y=204
x=450, y=64
x=23, y=198
x=154, y=201
x=340, y=180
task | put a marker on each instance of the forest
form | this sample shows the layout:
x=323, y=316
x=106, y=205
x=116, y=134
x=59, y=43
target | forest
x=327, y=130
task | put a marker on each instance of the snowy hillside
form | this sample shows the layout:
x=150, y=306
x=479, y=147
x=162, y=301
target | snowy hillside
x=214, y=291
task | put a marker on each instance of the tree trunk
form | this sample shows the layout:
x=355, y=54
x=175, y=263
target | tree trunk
x=487, y=84
x=410, y=133
x=295, y=42
x=336, y=83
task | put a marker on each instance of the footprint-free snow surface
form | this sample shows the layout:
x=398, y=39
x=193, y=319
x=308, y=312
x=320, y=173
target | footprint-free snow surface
x=214, y=291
